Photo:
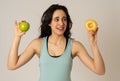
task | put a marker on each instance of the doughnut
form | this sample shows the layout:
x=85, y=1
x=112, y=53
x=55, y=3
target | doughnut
x=91, y=25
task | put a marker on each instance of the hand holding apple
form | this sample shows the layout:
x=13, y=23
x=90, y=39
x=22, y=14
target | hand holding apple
x=91, y=25
x=24, y=26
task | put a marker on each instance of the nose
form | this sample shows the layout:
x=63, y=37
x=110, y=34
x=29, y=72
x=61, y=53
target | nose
x=61, y=22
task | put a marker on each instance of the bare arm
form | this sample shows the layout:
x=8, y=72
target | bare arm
x=15, y=60
x=96, y=64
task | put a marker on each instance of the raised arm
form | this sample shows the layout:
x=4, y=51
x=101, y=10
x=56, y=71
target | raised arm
x=16, y=60
x=95, y=63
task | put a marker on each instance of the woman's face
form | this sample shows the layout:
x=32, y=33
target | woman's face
x=59, y=22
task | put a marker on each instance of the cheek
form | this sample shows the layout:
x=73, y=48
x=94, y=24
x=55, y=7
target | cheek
x=53, y=25
x=53, y=28
x=66, y=25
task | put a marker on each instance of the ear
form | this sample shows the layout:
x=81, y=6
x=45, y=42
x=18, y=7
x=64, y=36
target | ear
x=49, y=25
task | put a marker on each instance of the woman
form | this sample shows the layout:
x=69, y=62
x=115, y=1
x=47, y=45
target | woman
x=55, y=48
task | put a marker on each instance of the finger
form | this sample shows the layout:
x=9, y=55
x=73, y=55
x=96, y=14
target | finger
x=96, y=30
x=90, y=32
x=23, y=21
x=23, y=33
x=15, y=22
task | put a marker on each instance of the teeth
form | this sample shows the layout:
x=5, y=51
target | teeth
x=60, y=28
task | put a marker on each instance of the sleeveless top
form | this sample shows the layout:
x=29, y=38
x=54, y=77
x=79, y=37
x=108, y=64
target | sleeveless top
x=55, y=68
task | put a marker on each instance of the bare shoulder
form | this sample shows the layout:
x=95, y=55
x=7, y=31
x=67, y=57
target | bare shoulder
x=76, y=43
x=37, y=43
x=76, y=47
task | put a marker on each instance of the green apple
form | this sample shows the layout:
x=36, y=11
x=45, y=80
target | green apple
x=24, y=26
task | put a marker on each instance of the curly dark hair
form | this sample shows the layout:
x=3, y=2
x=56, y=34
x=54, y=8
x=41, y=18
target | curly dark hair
x=47, y=17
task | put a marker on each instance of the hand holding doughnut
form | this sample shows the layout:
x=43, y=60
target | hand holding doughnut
x=91, y=25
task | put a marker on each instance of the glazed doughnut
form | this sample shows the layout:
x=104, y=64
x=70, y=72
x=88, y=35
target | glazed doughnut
x=91, y=25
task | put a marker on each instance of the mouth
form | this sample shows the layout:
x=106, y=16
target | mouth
x=60, y=28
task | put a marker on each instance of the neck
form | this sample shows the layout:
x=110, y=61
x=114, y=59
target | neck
x=56, y=39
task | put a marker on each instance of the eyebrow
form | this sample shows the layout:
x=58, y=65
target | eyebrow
x=62, y=17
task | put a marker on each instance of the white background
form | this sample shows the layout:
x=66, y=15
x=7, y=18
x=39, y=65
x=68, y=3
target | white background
x=107, y=14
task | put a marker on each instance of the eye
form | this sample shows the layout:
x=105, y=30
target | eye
x=64, y=19
x=56, y=19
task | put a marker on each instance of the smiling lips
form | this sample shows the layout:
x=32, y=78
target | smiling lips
x=60, y=28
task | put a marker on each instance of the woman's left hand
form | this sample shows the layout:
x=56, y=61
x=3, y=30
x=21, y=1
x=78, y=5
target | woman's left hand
x=92, y=36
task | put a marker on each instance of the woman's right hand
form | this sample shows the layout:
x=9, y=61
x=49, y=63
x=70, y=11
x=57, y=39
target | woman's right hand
x=17, y=31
